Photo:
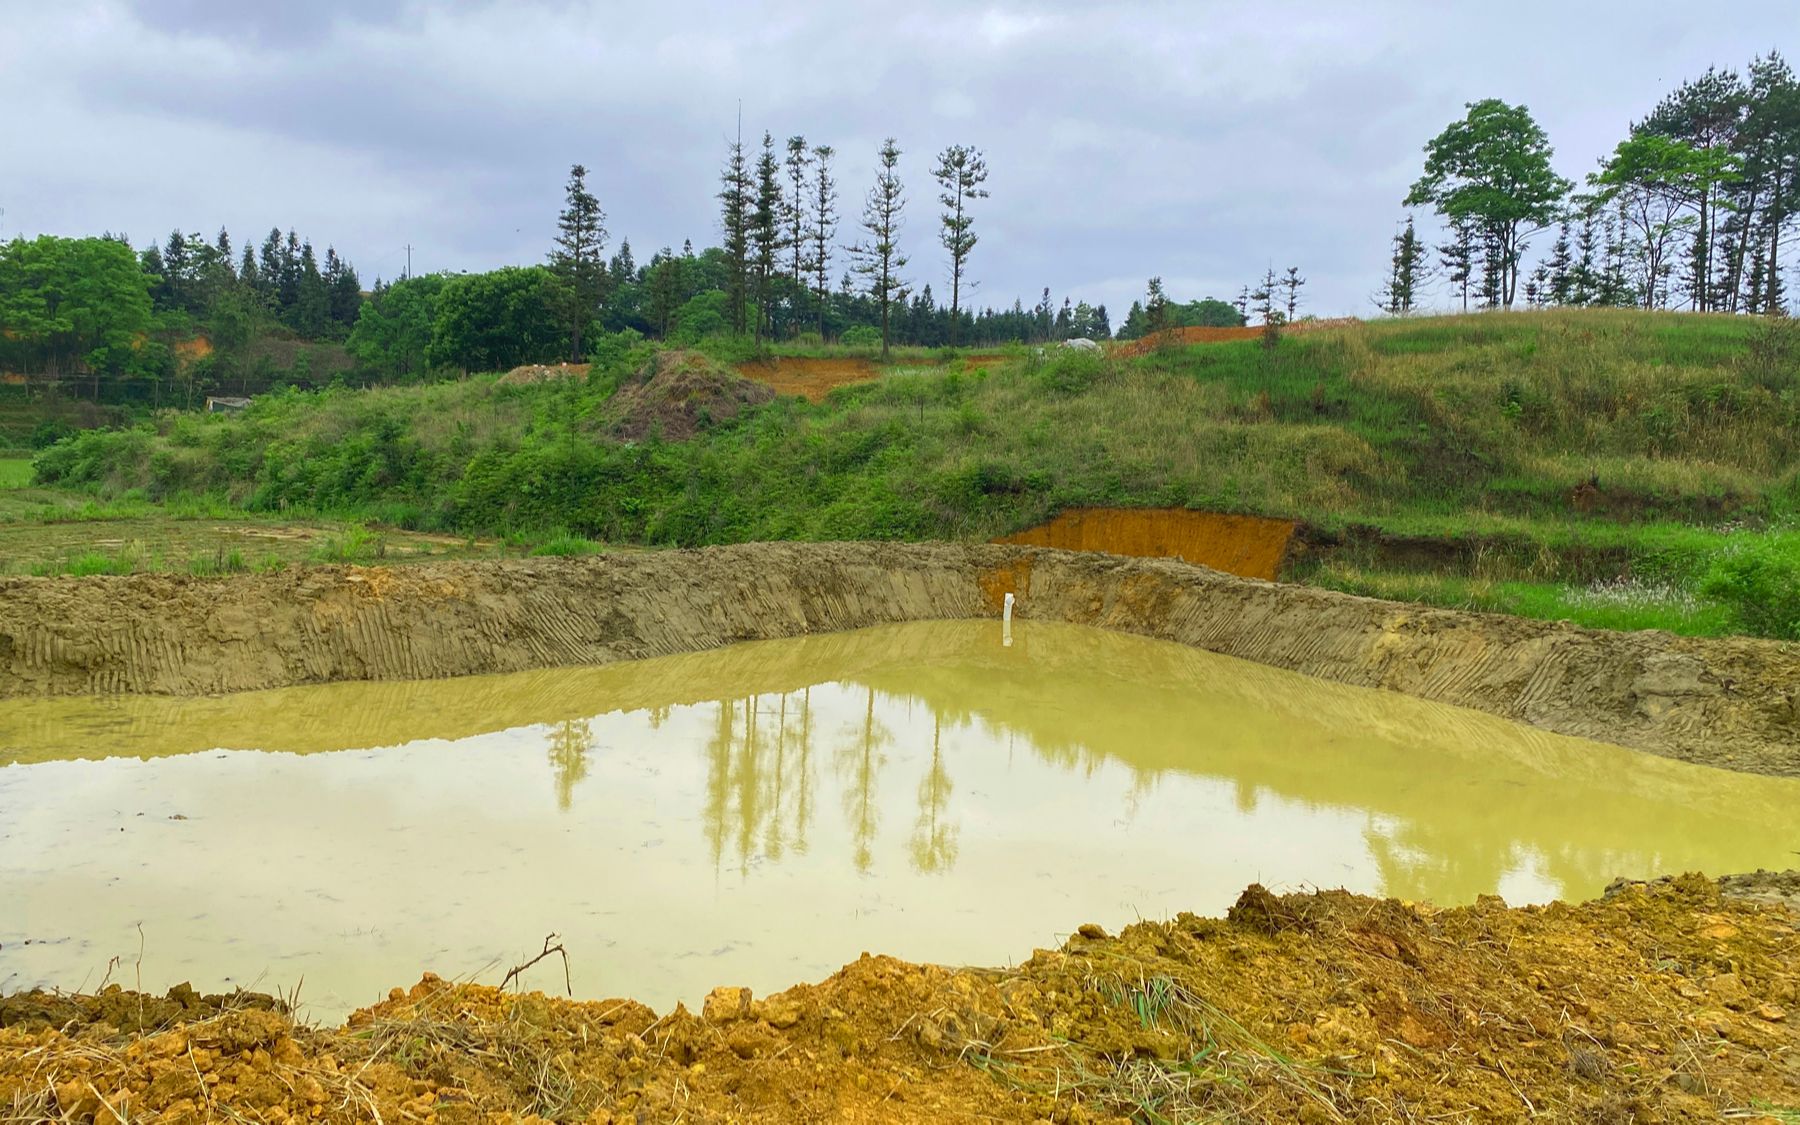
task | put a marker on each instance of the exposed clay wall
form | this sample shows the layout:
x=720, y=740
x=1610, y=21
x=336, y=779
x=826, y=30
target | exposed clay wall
x=1730, y=702
x=1247, y=546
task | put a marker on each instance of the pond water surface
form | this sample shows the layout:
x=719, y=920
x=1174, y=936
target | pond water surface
x=761, y=814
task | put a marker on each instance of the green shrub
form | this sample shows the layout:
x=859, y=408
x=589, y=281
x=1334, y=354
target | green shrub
x=861, y=337
x=355, y=544
x=1073, y=371
x=1760, y=582
x=563, y=544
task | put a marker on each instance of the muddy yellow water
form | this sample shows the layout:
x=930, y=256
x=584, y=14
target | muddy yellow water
x=761, y=814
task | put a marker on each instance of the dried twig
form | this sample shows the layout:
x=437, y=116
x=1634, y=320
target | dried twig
x=568, y=984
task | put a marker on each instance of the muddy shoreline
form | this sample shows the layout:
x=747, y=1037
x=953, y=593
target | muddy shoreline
x=1661, y=1002
x=1732, y=702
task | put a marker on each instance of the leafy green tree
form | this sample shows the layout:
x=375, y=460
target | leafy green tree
x=1706, y=114
x=878, y=258
x=961, y=171
x=577, y=264
x=1210, y=312
x=1492, y=169
x=1661, y=187
x=392, y=337
x=74, y=306
x=498, y=320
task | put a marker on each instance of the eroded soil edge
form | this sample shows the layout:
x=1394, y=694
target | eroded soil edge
x=1732, y=702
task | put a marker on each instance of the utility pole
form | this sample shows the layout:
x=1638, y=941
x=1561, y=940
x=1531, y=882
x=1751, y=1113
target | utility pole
x=409, y=260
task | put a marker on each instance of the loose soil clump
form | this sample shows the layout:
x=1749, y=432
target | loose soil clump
x=677, y=394
x=1663, y=1002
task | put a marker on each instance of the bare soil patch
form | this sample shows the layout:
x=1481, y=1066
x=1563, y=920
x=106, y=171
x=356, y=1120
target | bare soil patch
x=1247, y=546
x=1661, y=1003
x=807, y=377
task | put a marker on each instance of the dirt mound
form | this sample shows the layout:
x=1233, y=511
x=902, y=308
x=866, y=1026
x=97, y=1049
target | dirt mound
x=1666, y=1002
x=543, y=373
x=1247, y=546
x=680, y=393
x=1728, y=702
x=808, y=377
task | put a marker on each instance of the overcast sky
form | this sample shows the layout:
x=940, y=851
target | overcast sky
x=1198, y=141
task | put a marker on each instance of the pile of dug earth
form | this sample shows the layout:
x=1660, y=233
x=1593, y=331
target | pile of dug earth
x=1658, y=1003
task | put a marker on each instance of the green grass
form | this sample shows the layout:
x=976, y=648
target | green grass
x=1618, y=604
x=15, y=472
x=1561, y=448
x=564, y=545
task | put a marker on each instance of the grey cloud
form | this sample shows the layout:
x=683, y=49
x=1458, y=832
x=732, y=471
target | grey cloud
x=1126, y=139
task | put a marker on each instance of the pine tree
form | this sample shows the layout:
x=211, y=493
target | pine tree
x=765, y=233
x=735, y=203
x=823, y=228
x=1156, y=307
x=1102, y=324
x=664, y=283
x=1242, y=304
x=248, y=275
x=1265, y=296
x=1585, y=274
x=794, y=208
x=1408, y=271
x=960, y=172
x=576, y=260
x=878, y=258
x=1458, y=258
x=1291, y=283
x=1559, y=269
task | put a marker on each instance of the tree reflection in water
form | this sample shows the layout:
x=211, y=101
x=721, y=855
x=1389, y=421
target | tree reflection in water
x=570, y=744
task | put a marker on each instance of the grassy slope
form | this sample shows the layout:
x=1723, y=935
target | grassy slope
x=1455, y=426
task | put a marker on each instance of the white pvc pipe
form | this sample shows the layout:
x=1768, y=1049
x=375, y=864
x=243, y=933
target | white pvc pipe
x=1006, y=623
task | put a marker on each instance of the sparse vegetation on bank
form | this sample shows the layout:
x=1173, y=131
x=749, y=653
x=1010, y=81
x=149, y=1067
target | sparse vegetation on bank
x=1658, y=443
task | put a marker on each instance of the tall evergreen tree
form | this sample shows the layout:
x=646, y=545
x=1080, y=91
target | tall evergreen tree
x=878, y=257
x=766, y=232
x=797, y=163
x=576, y=260
x=1458, y=257
x=1290, y=284
x=735, y=201
x=823, y=228
x=961, y=171
x=1156, y=307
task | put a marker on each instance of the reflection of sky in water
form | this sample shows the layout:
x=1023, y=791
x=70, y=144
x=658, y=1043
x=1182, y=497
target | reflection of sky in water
x=948, y=801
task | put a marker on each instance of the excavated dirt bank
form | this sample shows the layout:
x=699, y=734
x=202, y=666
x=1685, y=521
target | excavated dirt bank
x=1247, y=546
x=1729, y=702
x=1660, y=1003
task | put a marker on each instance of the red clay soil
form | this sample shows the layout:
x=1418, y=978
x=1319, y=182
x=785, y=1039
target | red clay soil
x=811, y=378
x=1173, y=337
x=1247, y=546
x=814, y=377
